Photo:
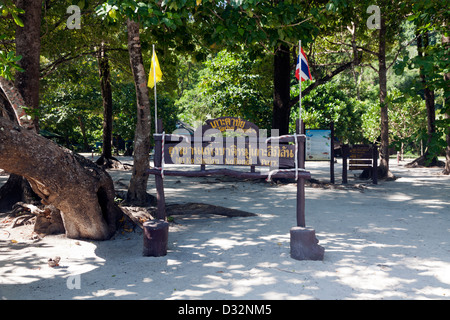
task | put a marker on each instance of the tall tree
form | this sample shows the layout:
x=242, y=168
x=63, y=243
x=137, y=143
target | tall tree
x=137, y=189
x=391, y=15
x=382, y=78
x=428, y=157
x=107, y=101
x=430, y=20
x=164, y=18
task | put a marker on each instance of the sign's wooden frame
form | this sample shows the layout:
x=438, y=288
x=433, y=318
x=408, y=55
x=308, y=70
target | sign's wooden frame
x=222, y=124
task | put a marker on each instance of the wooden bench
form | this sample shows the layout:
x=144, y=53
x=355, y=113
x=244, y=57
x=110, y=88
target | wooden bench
x=360, y=157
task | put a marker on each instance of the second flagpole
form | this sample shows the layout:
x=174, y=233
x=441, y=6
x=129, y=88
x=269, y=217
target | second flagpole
x=300, y=81
x=154, y=79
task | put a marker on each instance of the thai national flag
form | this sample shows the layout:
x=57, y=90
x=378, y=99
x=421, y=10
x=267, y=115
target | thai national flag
x=302, y=67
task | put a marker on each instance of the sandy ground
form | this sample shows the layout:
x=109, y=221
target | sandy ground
x=385, y=241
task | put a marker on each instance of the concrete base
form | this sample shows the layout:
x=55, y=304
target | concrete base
x=304, y=244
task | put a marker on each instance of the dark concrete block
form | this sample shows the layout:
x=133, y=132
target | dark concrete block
x=304, y=244
x=156, y=236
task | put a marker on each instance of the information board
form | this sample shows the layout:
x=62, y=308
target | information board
x=318, y=145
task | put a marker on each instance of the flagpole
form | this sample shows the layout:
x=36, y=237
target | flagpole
x=154, y=79
x=300, y=81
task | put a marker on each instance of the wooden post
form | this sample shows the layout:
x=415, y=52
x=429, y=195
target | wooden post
x=332, y=153
x=304, y=244
x=156, y=235
x=300, y=181
x=161, y=201
x=374, y=164
x=345, y=152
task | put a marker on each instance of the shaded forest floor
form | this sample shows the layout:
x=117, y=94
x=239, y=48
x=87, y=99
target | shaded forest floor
x=385, y=241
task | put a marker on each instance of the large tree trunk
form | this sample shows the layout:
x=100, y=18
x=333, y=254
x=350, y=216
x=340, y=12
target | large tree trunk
x=382, y=72
x=137, y=190
x=281, y=90
x=16, y=189
x=83, y=191
x=28, y=45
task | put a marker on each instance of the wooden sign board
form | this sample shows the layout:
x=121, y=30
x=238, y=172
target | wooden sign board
x=360, y=157
x=233, y=152
x=237, y=144
x=361, y=151
x=232, y=124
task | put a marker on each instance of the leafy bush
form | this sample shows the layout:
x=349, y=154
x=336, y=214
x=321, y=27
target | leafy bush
x=228, y=85
x=326, y=103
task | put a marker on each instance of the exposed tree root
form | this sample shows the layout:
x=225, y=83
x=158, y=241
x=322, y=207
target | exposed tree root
x=423, y=161
x=112, y=163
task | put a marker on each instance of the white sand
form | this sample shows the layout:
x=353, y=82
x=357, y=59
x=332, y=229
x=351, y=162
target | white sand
x=385, y=241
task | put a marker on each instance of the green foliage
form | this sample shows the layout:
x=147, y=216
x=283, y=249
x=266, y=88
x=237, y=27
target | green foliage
x=124, y=109
x=71, y=104
x=8, y=64
x=168, y=112
x=407, y=123
x=434, y=64
x=7, y=7
x=228, y=85
x=8, y=59
x=429, y=20
x=407, y=120
x=370, y=118
x=326, y=103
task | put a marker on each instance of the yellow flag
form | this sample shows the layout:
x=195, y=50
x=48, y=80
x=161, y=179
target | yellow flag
x=154, y=70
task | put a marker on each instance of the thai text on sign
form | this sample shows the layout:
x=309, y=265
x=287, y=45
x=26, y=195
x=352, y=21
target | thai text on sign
x=249, y=148
x=220, y=153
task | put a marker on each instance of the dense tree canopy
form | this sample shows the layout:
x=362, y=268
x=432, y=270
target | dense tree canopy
x=191, y=37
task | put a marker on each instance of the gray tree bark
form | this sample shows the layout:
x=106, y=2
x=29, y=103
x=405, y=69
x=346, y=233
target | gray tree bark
x=81, y=190
x=137, y=189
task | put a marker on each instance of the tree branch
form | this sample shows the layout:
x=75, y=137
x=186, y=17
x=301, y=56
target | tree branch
x=400, y=50
x=323, y=80
x=358, y=47
x=52, y=66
